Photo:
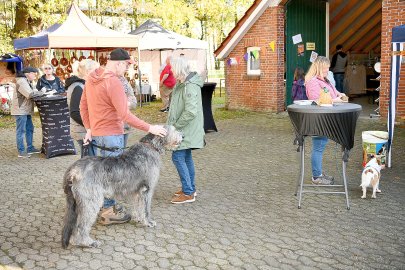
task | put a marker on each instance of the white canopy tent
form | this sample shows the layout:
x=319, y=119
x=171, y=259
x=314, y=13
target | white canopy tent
x=77, y=32
x=156, y=43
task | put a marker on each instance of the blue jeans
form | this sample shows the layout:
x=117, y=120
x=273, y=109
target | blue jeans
x=318, y=146
x=109, y=141
x=339, y=82
x=184, y=163
x=24, y=128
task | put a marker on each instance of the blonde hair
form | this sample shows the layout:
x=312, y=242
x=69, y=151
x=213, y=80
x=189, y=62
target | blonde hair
x=85, y=67
x=180, y=68
x=46, y=65
x=316, y=68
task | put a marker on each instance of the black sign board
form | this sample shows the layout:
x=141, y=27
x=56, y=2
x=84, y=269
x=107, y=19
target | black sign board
x=55, y=120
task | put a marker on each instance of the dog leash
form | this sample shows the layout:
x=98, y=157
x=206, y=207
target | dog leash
x=109, y=149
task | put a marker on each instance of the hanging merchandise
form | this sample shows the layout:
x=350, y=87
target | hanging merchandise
x=73, y=58
x=54, y=61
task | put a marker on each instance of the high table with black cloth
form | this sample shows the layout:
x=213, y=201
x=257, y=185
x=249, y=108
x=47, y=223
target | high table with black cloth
x=338, y=123
x=206, y=95
x=55, y=120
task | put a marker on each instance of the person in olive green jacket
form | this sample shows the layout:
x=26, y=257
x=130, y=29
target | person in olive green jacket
x=186, y=115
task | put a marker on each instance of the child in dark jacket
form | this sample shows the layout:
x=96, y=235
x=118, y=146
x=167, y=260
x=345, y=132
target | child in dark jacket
x=298, y=88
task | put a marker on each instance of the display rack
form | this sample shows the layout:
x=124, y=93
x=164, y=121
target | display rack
x=377, y=100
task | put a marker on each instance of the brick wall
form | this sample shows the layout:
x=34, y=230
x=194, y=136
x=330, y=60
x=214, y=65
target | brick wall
x=264, y=92
x=393, y=14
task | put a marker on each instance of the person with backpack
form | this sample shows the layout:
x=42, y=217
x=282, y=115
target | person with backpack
x=298, y=88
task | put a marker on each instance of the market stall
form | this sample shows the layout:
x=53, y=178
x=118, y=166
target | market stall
x=77, y=38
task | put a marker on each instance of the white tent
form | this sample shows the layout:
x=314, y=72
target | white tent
x=154, y=37
x=157, y=43
x=78, y=31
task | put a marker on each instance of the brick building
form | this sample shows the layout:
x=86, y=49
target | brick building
x=393, y=14
x=265, y=32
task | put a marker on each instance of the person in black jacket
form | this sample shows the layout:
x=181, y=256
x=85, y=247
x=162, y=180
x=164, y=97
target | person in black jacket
x=74, y=86
x=49, y=81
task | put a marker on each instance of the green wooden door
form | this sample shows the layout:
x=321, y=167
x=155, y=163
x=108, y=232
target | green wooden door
x=308, y=18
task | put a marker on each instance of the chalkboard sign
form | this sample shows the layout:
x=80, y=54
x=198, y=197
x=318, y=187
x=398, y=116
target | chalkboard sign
x=206, y=95
x=55, y=120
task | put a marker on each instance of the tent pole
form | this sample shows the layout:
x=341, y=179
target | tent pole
x=393, y=95
x=139, y=77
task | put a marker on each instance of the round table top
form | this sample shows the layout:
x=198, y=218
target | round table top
x=336, y=108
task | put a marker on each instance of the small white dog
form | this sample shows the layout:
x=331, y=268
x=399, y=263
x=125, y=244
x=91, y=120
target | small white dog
x=371, y=177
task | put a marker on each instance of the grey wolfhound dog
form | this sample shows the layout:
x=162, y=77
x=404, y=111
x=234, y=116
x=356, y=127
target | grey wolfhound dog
x=132, y=176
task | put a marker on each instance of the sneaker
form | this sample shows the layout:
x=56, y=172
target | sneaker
x=331, y=178
x=183, y=198
x=23, y=155
x=118, y=208
x=33, y=151
x=164, y=109
x=180, y=191
x=108, y=216
x=323, y=180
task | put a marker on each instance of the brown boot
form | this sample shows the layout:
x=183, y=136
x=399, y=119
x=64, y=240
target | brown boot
x=108, y=216
x=183, y=198
x=180, y=191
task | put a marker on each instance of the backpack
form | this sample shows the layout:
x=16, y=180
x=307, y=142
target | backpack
x=298, y=90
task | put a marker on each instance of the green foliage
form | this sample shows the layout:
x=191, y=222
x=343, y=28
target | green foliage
x=175, y=15
x=6, y=41
x=204, y=19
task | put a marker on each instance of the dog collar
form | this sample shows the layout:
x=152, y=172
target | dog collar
x=151, y=146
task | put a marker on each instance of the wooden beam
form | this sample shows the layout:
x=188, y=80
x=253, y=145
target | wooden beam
x=346, y=39
x=372, y=44
x=364, y=40
x=335, y=7
x=343, y=12
x=360, y=9
x=377, y=49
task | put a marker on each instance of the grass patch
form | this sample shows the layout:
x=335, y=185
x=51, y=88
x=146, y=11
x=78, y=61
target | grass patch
x=8, y=121
x=218, y=100
x=224, y=114
x=150, y=112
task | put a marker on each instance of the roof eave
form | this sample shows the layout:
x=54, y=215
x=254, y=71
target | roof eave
x=238, y=32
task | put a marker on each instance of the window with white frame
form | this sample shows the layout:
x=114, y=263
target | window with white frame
x=253, y=62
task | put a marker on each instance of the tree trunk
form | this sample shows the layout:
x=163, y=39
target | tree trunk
x=24, y=25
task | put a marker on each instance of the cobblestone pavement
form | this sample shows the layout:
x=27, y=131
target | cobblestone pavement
x=245, y=215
